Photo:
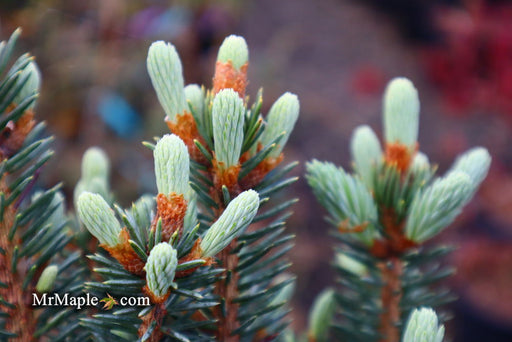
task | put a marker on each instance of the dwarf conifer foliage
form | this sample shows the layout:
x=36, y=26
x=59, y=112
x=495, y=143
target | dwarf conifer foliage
x=156, y=250
x=209, y=249
x=383, y=213
x=33, y=225
x=204, y=258
x=233, y=148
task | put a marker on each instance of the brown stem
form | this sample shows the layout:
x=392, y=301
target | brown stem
x=228, y=290
x=391, y=295
x=157, y=314
x=20, y=320
x=227, y=287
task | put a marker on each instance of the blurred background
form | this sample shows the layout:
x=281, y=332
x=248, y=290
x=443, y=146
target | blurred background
x=337, y=55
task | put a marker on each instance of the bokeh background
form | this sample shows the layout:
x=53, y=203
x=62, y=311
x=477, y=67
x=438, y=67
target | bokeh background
x=337, y=55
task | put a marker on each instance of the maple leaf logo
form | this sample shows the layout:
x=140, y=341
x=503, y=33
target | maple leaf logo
x=109, y=302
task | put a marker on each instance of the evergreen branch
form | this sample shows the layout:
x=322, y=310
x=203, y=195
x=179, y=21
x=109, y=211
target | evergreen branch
x=391, y=272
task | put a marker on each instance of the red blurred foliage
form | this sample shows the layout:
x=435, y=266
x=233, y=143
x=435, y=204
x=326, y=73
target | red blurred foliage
x=483, y=276
x=368, y=80
x=473, y=65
